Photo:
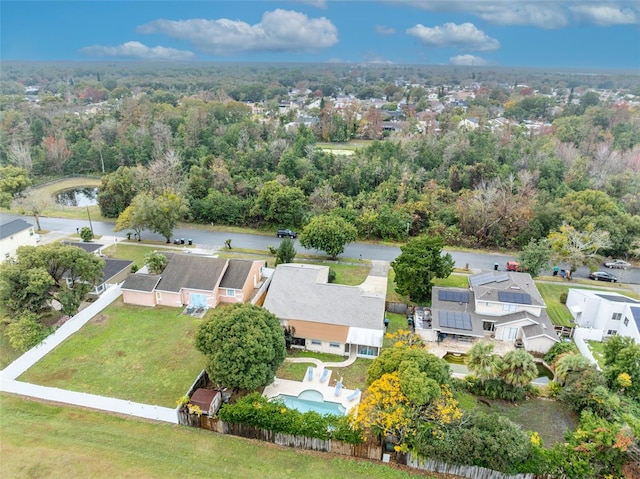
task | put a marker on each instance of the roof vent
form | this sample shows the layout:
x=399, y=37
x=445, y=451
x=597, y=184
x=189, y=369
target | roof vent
x=514, y=287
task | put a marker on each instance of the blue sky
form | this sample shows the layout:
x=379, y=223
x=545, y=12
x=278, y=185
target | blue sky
x=603, y=34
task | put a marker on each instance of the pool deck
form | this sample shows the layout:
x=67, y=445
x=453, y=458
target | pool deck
x=327, y=388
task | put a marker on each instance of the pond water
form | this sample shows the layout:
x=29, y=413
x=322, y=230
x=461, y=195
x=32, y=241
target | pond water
x=78, y=197
x=458, y=364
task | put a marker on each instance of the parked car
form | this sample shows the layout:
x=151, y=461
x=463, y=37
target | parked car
x=287, y=233
x=603, y=276
x=513, y=266
x=617, y=263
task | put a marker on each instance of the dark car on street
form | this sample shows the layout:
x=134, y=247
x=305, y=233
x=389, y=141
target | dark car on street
x=603, y=276
x=287, y=233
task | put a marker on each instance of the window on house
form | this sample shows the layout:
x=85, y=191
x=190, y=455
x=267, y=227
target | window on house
x=231, y=292
x=316, y=342
x=298, y=342
x=30, y=232
x=488, y=326
x=334, y=345
x=616, y=316
x=509, y=307
x=612, y=332
x=366, y=351
x=626, y=321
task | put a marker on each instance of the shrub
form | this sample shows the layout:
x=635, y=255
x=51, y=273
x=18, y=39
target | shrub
x=332, y=275
x=563, y=297
x=256, y=410
x=558, y=349
x=86, y=234
x=26, y=332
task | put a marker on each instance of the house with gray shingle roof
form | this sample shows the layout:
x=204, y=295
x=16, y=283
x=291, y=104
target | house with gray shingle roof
x=201, y=281
x=505, y=306
x=327, y=317
x=14, y=234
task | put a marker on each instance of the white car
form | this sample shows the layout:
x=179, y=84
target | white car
x=617, y=263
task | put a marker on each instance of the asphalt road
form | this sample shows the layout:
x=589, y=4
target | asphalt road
x=216, y=239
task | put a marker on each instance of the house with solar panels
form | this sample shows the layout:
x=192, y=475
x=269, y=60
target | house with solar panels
x=505, y=306
x=605, y=313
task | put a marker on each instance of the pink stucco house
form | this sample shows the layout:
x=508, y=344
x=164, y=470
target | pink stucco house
x=200, y=281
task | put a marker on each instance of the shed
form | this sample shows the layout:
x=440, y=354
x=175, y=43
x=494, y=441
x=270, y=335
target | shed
x=207, y=400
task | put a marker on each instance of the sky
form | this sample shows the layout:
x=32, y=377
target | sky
x=586, y=34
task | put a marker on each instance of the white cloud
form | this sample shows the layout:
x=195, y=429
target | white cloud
x=465, y=36
x=604, y=15
x=315, y=3
x=468, y=60
x=542, y=14
x=382, y=30
x=138, y=51
x=279, y=31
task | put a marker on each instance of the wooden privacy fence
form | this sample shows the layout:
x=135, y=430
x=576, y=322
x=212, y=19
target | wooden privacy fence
x=471, y=472
x=367, y=451
x=399, y=308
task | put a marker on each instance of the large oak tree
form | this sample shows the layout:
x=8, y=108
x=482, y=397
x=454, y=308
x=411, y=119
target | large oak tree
x=244, y=345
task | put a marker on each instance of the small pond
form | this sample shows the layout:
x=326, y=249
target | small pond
x=458, y=364
x=78, y=197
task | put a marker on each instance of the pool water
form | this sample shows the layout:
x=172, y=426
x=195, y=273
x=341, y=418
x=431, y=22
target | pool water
x=311, y=400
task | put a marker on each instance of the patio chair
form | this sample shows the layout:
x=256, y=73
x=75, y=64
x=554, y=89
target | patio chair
x=310, y=370
x=325, y=375
x=338, y=388
x=353, y=395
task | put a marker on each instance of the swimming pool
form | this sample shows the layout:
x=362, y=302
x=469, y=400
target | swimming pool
x=311, y=400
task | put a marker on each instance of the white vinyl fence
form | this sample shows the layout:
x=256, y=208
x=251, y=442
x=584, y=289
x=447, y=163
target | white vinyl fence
x=8, y=375
x=580, y=335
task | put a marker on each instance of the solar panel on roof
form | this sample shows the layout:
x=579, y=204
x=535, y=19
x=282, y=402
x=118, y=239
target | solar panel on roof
x=510, y=297
x=454, y=296
x=617, y=299
x=455, y=320
x=482, y=278
x=500, y=277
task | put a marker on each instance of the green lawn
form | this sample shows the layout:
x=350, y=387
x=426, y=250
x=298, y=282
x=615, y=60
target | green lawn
x=129, y=352
x=454, y=280
x=558, y=313
x=597, y=349
x=132, y=252
x=44, y=440
x=354, y=376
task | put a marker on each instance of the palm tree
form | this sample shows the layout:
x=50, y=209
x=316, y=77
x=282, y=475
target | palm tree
x=518, y=368
x=570, y=363
x=482, y=362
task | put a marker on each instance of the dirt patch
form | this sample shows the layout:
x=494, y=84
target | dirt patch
x=62, y=375
x=120, y=353
x=100, y=318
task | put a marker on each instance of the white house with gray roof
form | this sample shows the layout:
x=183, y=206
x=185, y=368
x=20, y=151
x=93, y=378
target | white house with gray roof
x=331, y=318
x=606, y=313
x=14, y=234
x=505, y=306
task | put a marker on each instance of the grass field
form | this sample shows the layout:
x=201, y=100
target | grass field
x=60, y=211
x=550, y=419
x=129, y=352
x=43, y=440
x=558, y=313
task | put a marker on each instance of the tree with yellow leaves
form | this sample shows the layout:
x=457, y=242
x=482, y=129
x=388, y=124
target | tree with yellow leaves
x=384, y=409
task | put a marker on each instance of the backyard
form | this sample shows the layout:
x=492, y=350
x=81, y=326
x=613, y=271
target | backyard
x=129, y=352
x=354, y=376
x=45, y=440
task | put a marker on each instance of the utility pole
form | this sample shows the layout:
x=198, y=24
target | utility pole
x=90, y=224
